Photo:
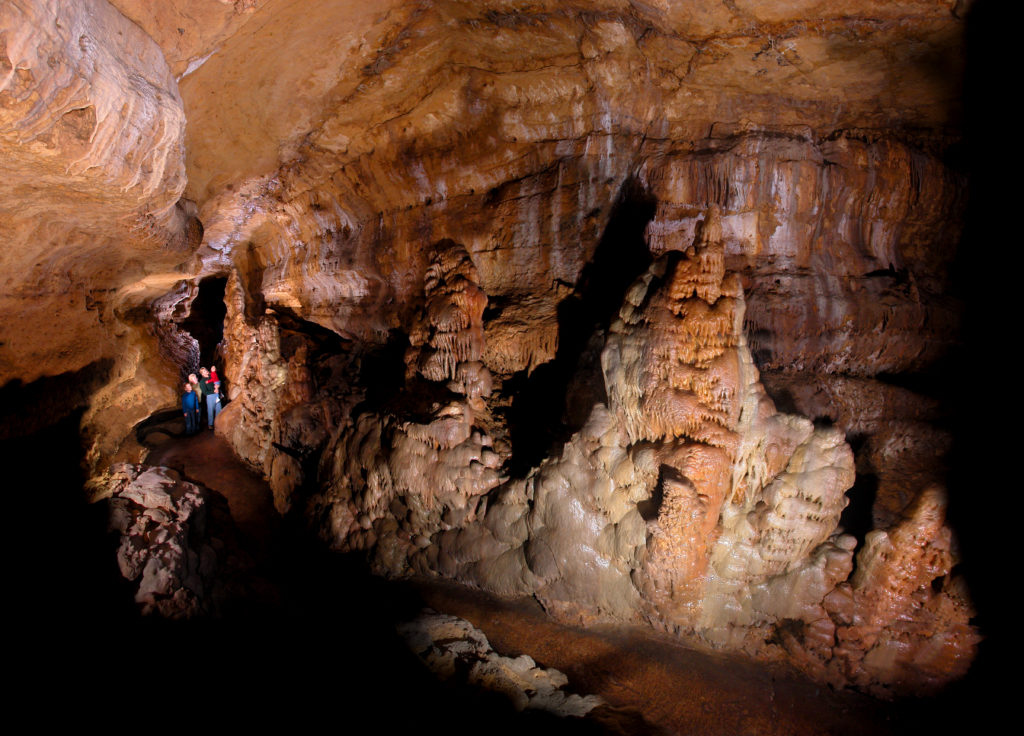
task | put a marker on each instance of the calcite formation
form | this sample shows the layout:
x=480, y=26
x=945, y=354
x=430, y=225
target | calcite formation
x=903, y=575
x=606, y=302
x=453, y=648
x=161, y=521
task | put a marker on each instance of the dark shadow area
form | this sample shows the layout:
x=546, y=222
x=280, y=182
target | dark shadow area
x=537, y=418
x=651, y=507
x=783, y=398
x=980, y=379
x=62, y=578
x=26, y=409
x=250, y=276
x=857, y=518
x=166, y=421
x=327, y=649
x=389, y=390
x=205, y=321
x=382, y=371
x=323, y=646
x=299, y=333
x=328, y=356
x=60, y=563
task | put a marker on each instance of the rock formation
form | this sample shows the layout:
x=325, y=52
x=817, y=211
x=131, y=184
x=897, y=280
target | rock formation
x=161, y=520
x=452, y=647
x=588, y=301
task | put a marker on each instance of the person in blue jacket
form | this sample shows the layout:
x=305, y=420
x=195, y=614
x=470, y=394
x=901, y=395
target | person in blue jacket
x=190, y=407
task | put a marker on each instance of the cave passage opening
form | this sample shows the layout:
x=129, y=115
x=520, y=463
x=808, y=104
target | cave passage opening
x=555, y=400
x=205, y=321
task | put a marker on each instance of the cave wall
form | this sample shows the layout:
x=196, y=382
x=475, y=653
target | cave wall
x=416, y=208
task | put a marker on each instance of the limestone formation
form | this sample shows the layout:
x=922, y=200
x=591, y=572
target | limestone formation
x=583, y=300
x=450, y=343
x=903, y=612
x=453, y=648
x=395, y=481
x=161, y=520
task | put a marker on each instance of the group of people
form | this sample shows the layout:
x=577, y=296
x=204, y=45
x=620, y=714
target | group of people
x=201, y=393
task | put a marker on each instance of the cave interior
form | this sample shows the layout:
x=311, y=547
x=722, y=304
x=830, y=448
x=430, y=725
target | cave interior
x=654, y=316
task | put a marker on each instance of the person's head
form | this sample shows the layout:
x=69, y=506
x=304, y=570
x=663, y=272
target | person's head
x=192, y=378
x=204, y=373
x=188, y=388
x=213, y=369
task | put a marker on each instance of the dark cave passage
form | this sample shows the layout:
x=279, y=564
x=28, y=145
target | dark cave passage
x=382, y=371
x=205, y=321
x=27, y=408
x=555, y=399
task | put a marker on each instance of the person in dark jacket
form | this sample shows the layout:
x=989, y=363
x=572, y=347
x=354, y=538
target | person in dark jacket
x=190, y=407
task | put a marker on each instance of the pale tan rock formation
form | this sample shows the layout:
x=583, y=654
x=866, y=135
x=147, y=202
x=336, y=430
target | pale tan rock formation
x=395, y=481
x=457, y=651
x=449, y=344
x=746, y=531
x=188, y=31
x=93, y=164
x=92, y=167
x=161, y=520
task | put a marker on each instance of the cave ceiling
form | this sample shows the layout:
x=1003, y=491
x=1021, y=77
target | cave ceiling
x=255, y=111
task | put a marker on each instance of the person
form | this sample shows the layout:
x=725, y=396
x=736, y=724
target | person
x=194, y=380
x=211, y=392
x=213, y=374
x=190, y=408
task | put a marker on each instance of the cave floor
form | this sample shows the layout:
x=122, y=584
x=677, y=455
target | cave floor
x=651, y=682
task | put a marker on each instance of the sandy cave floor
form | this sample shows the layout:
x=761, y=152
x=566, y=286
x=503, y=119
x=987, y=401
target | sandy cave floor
x=651, y=682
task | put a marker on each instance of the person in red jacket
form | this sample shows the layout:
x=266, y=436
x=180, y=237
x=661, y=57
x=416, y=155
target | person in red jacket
x=211, y=392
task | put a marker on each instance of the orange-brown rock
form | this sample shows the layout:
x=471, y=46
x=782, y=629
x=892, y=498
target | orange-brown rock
x=92, y=167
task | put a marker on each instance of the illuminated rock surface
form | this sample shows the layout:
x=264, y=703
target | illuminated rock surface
x=586, y=301
x=159, y=518
x=449, y=646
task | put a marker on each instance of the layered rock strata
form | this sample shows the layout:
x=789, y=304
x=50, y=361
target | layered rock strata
x=92, y=168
